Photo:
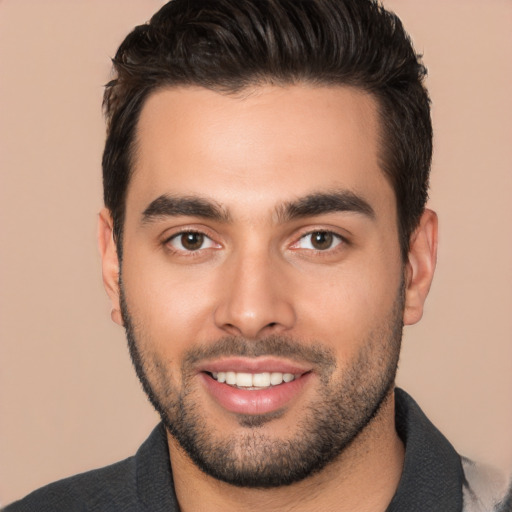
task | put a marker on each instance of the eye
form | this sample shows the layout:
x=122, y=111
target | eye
x=190, y=241
x=318, y=241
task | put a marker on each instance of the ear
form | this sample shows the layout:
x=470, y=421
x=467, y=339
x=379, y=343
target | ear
x=109, y=262
x=420, y=266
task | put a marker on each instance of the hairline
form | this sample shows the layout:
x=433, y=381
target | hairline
x=245, y=91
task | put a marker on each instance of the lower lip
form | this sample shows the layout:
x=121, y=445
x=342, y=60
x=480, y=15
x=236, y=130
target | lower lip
x=261, y=401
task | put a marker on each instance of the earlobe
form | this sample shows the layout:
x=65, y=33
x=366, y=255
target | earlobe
x=109, y=262
x=420, y=266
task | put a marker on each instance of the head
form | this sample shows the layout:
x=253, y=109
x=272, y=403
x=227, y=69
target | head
x=264, y=238
x=230, y=46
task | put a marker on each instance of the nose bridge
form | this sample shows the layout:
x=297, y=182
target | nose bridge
x=254, y=299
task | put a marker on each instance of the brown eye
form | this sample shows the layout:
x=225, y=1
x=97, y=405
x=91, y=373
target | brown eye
x=190, y=241
x=321, y=240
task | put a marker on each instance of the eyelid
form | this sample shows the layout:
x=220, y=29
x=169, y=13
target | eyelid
x=310, y=231
x=206, y=240
x=182, y=230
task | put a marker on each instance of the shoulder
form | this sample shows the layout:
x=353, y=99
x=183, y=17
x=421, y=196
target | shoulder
x=484, y=489
x=110, y=488
x=141, y=482
x=435, y=476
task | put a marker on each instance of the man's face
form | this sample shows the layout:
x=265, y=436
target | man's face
x=262, y=281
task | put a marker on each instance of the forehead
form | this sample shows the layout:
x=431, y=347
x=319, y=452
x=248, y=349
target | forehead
x=267, y=145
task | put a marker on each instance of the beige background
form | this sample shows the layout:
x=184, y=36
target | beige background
x=69, y=400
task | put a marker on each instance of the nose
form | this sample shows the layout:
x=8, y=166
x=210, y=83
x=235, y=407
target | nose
x=256, y=299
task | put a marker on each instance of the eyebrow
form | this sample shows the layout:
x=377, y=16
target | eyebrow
x=173, y=206
x=321, y=203
x=308, y=206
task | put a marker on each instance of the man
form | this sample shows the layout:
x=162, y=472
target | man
x=264, y=240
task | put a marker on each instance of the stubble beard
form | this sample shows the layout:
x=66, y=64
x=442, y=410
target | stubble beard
x=346, y=404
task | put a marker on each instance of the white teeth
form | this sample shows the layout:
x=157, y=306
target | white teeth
x=276, y=378
x=244, y=380
x=253, y=380
x=261, y=380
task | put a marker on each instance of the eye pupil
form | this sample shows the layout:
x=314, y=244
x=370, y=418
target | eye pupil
x=192, y=241
x=321, y=240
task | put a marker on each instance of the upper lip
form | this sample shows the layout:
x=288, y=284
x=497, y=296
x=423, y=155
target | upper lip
x=254, y=365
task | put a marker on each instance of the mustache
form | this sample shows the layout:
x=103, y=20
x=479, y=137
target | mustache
x=274, y=345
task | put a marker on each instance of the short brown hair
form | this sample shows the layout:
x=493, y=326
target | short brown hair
x=227, y=45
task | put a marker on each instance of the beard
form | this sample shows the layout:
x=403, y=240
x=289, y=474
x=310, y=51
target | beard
x=347, y=402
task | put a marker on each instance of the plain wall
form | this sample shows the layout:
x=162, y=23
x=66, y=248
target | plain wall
x=69, y=399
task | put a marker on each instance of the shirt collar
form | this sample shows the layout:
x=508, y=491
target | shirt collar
x=432, y=476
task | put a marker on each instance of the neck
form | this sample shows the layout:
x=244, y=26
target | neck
x=364, y=478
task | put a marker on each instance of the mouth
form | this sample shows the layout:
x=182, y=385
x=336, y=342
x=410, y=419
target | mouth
x=253, y=387
x=253, y=381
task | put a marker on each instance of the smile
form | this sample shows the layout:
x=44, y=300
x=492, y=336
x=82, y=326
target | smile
x=253, y=381
x=257, y=391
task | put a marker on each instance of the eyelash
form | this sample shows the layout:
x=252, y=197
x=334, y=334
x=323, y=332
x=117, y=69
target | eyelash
x=338, y=240
x=184, y=252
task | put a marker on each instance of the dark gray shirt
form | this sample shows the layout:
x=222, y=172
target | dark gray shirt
x=433, y=478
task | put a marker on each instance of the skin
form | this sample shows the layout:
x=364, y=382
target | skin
x=257, y=274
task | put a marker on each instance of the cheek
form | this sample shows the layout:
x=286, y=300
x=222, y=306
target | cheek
x=172, y=306
x=347, y=305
